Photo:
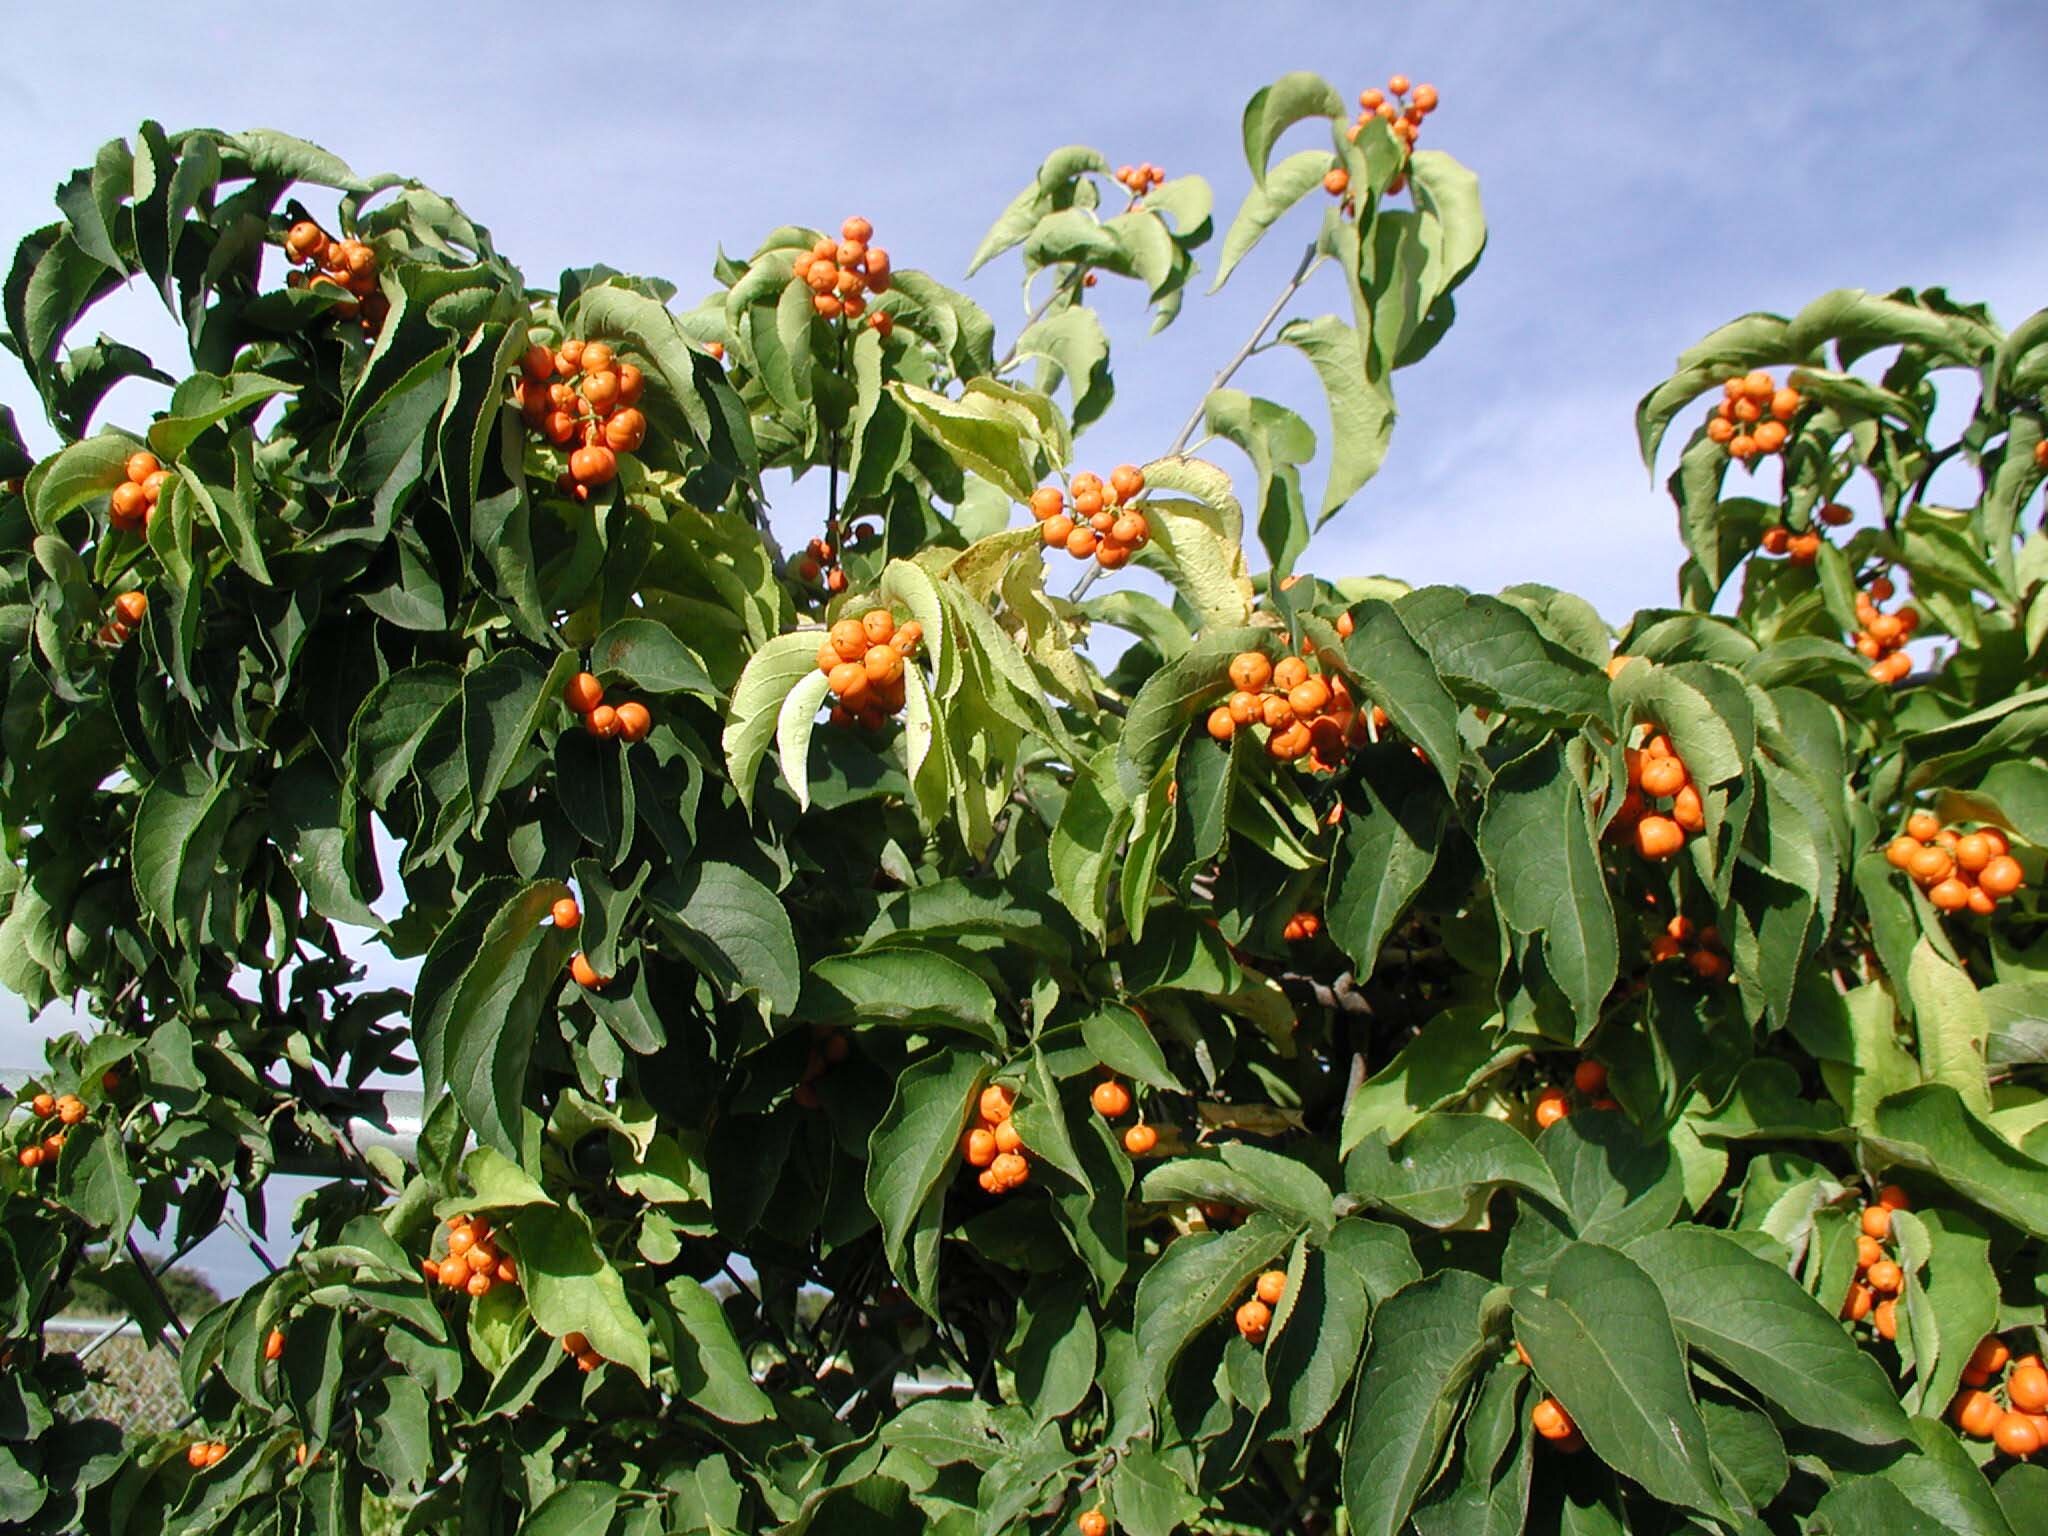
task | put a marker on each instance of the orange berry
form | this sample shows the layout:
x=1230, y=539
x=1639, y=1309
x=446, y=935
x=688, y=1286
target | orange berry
x=1977, y=1414
x=1251, y=671
x=1009, y=1169
x=978, y=1146
x=584, y=973
x=1551, y=1420
x=584, y=693
x=634, y=721
x=132, y=607
x=1949, y=895
x=1922, y=825
x=596, y=357
x=2000, y=877
x=1663, y=776
x=1859, y=1302
x=995, y=1103
x=1112, y=1100
x=1990, y=1355
x=1397, y=85
x=44, y=1105
x=827, y=305
x=1290, y=673
x=1785, y=403
x=566, y=913
x=907, y=636
x=1272, y=1286
x=1007, y=1137
x=454, y=1272
x=142, y=464
x=883, y=664
x=1885, y=1315
x=1253, y=1319
x=1868, y=1251
x=1046, y=502
x=1081, y=543
x=1337, y=181
x=1140, y=1139
x=1877, y=1221
x=1094, y=1523
x=857, y=228
x=1127, y=480
x=602, y=722
x=1590, y=1078
x=626, y=431
x=1056, y=530
x=1893, y=1198
x=2027, y=1387
x=1687, y=810
x=1425, y=98
x=1290, y=743
x=849, y=680
x=2016, y=1435
x=1769, y=437
x=1551, y=1107
x=1659, y=837
x=1885, y=1277
x=1759, y=385
x=1277, y=713
x=273, y=1344
x=1244, y=708
x=1222, y=724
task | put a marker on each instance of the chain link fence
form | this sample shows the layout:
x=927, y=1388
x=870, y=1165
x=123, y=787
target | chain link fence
x=132, y=1379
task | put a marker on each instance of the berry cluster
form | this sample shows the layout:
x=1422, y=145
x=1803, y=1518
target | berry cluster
x=134, y=500
x=1112, y=1101
x=820, y=558
x=1657, y=773
x=576, y=1345
x=2019, y=1425
x=347, y=266
x=1402, y=112
x=1304, y=713
x=1553, y=1104
x=1874, y=1293
x=1301, y=927
x=1256, y=1314
x=1139, y=179
x=1753, y=415
x=66, y=1109
x=1956, y=869
x=130, y=608
x=584, y=390
x=472, y=1261
x=1699, y=948
x=837, y=270
x=1098, y=522
x=994, y=1146
x=201, y=1454
x=629, y=721
x=828, y=1048
x=1882, y=639
x=863, y=661
x=1799, y=548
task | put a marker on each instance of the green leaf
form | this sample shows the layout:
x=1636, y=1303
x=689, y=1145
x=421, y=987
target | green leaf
x=757, y=700
x=650, y=656
x=1317, y=1330
x=1444, y=1169
x=1089, y=836
x=204, y=399
x=1393, y=823
x=574, y=1509
x=913, y=1151
x=1396, y=673
x=1197, y=1279
x=1602, y=1342
x=503, y=702
x=738, y=933
x=980, y=433
x=1930, y=1128
x=1428, y=1342
x=1489, y=652
x=1121, y=1040
x=1449, y=193
x=477, y=1025
x=76, y=475
x=1275, y=108
x=716, y=1379
x=1280, y=189
x=911, y=987
x=1361, y=409
x=572, y=1289
x=94, y=1180
x=794, y=723
x=179, y=828
x=1251, y=1177
x=1445, y=1060
x=1758, y=1323
x=1547, y=879
x=1169, y=699
x=1952, y=1027
x=1053, y=1349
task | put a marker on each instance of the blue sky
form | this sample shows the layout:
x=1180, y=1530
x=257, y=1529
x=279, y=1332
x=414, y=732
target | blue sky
x=1649, y=171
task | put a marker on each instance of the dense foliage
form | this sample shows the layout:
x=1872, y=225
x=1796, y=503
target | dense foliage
x=867, y=964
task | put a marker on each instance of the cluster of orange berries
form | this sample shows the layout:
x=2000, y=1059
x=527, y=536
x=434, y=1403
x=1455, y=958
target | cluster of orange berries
x=134, y=500
x=1403, y=113
x=837, y=270
x=828, y=1049
x=1112, y=1101
x=66, y=1109
x=1874, y=1293
x=472, y=1262
x=1657, y=773
x=1752, y=416
x=347, y=266
x=629, y=721
x=578, y=1347
x=1799, y=548
x=863, y=661
x=1700, y=948
x=1301, y=927
x=2019, y=1425
x=201, y=1454
x=821, y=559
x=1305, y=714
x=130, y=608
x=1091, y=525
x=583, y=389
x=1956, y=869
x=1139, y=179
x=1882, y=639
x=994, y=1146
x=1553, y=1104
x=1256, y=1314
